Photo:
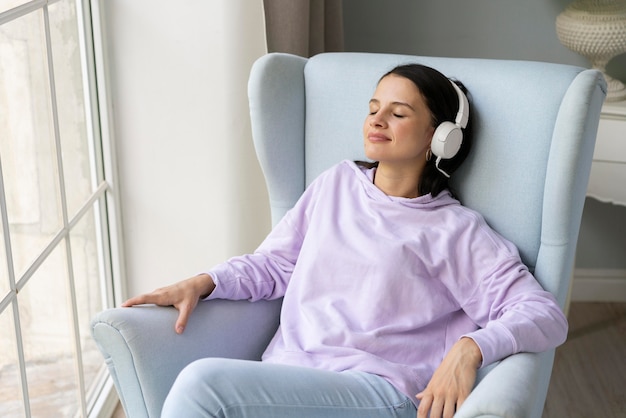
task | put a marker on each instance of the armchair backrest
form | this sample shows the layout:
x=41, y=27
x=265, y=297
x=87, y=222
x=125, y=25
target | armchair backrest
x=534, y=133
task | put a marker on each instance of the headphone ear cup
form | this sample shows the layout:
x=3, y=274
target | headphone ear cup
x=447, y=140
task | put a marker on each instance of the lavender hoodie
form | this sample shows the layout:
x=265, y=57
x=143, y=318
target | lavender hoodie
x=386, y=285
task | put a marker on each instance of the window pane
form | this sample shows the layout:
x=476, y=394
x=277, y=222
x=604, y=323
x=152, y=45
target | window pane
x=10, y=390
x=27, y=141
x=87, y=266
x=46, y=322
x=70, y=102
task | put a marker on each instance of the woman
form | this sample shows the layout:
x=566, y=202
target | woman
x=394, y=293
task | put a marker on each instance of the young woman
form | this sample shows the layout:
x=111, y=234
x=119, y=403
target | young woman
x=394, y=293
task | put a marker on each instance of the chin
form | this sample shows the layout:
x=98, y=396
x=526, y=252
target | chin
x=373, y=155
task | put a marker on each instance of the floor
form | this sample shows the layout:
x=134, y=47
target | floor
x=589, y=376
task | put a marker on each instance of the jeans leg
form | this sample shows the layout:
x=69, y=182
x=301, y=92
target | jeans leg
x=215, y=387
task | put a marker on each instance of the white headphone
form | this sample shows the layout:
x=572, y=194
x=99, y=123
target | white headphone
x=448, y=136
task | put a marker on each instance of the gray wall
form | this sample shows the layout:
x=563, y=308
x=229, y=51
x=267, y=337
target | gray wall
x=499, y=29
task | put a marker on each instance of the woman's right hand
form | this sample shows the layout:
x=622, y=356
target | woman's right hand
x=183, y=295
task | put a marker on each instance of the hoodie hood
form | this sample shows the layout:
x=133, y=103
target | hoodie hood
x=366, y=177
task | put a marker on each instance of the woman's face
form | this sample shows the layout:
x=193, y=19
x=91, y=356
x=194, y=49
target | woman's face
x=398, y=127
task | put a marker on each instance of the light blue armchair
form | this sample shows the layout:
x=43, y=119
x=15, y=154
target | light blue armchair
x=535, y=126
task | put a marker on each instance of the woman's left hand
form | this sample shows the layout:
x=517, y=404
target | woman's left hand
x=452, y=382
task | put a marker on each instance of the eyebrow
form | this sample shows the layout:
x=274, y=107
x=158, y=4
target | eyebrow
x=376, y=101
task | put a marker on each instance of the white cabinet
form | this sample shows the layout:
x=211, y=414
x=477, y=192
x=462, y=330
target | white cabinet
x=607, y=182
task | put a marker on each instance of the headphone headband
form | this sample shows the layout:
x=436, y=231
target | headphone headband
x=462, y=115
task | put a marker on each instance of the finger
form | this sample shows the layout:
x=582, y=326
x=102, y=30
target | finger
x=436, y=410
x=184, y=312
x=460, y=401
x=425, y=404
x=137, y=300
x=449, y=408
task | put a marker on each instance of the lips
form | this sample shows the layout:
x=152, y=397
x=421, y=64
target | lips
x=376, y=137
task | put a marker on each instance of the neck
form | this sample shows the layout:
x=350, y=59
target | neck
x=398, y=182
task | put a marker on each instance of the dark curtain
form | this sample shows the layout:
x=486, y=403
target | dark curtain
x=304, y=27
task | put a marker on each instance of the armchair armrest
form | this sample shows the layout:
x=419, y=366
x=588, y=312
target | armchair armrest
x=513, y=388
x=144, y=354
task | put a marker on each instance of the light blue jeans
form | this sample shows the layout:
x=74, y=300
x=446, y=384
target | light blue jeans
x=216, y=387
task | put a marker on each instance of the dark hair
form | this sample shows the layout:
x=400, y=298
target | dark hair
x=443, y=102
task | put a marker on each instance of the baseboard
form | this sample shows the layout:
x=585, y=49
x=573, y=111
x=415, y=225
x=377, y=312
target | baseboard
x=599, y=285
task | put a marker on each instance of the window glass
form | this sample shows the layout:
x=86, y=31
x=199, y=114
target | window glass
x=27, y=144
x=46, y=322
x=68, y=80
x=88, y=271
x=11, y=403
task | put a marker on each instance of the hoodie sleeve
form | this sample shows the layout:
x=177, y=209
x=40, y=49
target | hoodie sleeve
x=265, y=273
x=513, y=312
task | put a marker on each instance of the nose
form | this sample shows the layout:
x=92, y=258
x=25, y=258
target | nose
x=377, y=120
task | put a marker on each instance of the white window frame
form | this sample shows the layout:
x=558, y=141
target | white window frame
x=105, y=194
